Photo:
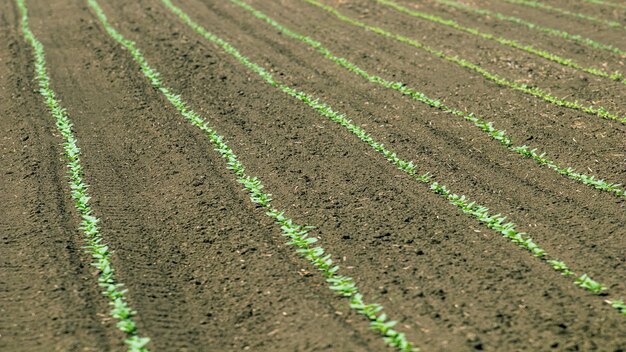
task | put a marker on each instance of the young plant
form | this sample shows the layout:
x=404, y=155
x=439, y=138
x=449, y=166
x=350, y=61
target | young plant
x=560, y=266
x=619, y=305
x=586, y=282
x=533, y=26
x=615, y=76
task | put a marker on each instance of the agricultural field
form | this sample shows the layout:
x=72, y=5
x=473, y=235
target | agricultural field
x=313, y=175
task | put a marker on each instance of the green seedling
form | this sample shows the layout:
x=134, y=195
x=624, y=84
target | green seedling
x=560, y=266
x=619, y=305
x=78, y=189
x=586, y=282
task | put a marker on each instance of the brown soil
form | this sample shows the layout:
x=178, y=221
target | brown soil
x=207, y=271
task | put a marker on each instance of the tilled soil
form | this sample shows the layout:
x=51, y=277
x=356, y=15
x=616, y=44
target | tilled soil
x=207, y=271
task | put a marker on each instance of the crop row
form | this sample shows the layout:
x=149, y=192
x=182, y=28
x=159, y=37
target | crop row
x=561, y=11
x=615, y=76
x=548, y=30
x=524, y=88
x=94, y=244
x=485, y=126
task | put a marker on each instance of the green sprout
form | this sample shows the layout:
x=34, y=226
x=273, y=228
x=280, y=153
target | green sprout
x=560, y=266
x=619, y=305
x=586, y=282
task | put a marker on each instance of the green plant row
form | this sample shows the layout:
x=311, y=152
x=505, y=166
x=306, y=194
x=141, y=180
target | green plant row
x=99, y=251
x=616, y=76
x=298, y=235
x=534, y=91
x=606, y=3
x=496, y=222
x=552, y=31
x=487, y=127
x=550, y=8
